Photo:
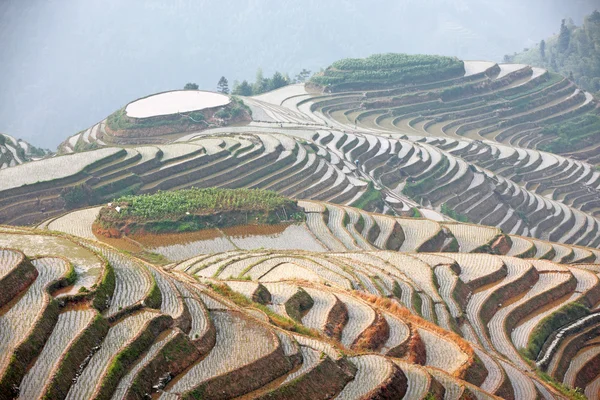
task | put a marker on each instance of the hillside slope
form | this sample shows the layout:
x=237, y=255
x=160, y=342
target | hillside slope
x=573, y=52
x=16, y=151
x=349, y=325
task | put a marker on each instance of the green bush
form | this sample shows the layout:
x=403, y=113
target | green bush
x=77, y=196
x=453, y=214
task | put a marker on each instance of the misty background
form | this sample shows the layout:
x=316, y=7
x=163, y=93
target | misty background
x=67, y=64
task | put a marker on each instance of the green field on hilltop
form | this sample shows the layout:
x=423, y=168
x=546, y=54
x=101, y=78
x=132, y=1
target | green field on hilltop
x=390, y=69
x=204, y=201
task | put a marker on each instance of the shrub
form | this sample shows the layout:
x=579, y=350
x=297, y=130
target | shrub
x=453, y=214
x=77, y=196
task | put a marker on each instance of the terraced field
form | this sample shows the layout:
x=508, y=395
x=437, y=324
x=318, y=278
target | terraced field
x=16, y=151
x=446, y=253
x=409, y=324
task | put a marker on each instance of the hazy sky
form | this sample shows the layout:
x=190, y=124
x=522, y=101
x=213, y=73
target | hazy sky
x=67, y=64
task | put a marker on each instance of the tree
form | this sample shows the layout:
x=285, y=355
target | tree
x=190, y=86
x=302, y=75
x=223, y=85
x=261, y=84
x=277, y=81
x=543, y=49
x=563, y=37
x=243, y=89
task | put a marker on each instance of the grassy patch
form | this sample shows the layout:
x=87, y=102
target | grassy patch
x=105, y=289
x=154, y=298
x=453, y=214
x=572, y=134
x=574, y=394
x=127, y=357
x=564, y=315
x=278, y=320
x=370, y=196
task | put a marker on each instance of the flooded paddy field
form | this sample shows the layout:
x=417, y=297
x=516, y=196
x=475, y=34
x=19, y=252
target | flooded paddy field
x=180, y=246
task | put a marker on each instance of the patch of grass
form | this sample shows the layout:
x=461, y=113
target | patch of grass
x=127, y=357
x=574, y=394
x=154, y=298
x=370, y=196
x=572, y=134
x=105, y=289
x=278, y=320
x=417, y=303
x=453, y=214
x=564, y=315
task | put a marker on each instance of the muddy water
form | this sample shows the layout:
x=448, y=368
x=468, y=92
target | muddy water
x=181, y=246
x=276, y=237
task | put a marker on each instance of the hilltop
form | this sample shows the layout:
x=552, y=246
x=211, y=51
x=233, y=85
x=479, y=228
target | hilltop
x=16, y=151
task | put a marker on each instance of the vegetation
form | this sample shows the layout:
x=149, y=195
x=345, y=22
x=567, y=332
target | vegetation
x=190, y=86
x=389, y=69
x=105, y=289
x=236, y=108
x=120, y=121
x=261, y=84
x=453, y=214
x=212, y=200
x=574, y=394
x=195, y=209
x=574, y=52
x=370, y=197
x=77, y=196
x=566, y=314
x=572, y=134
x=223, y=85
x=278, y=320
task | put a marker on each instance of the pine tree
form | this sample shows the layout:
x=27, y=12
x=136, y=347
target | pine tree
x=563, y=37
x=223, y=85
x=243, y=89
x=302, y=76
x=278, y=81
x=543, y=49
x=260, y=84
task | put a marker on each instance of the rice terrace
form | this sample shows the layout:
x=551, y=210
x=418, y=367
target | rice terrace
x=395, y=227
